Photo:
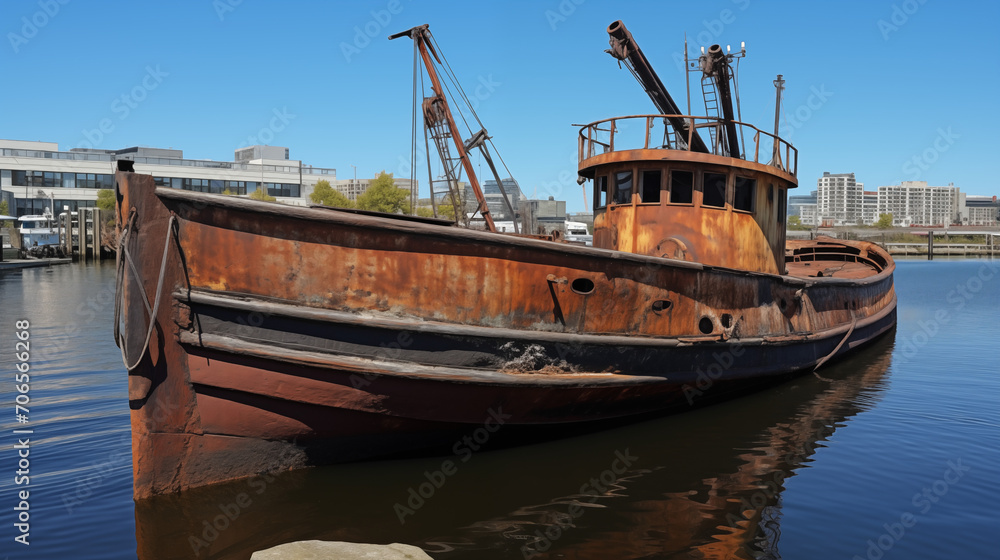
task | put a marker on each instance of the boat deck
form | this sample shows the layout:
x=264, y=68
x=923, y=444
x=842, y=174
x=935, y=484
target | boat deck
x=826, y=258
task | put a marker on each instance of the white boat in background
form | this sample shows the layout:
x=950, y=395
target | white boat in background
x=40, y=234
x=576, y=232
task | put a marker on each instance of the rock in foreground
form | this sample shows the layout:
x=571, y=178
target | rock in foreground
x=327, y=550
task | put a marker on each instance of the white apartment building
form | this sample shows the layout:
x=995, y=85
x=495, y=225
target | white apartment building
x=839, y=198
x=36, y=175
x=869, y=208
x=914, y=203
x=808, y=215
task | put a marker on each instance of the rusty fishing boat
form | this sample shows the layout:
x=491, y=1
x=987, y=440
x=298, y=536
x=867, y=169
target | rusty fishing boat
x=262, y=337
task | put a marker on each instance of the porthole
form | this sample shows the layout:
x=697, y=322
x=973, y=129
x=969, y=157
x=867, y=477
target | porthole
x=661, y=305
x=706, y=326
x=583, y=286
x=727, y=320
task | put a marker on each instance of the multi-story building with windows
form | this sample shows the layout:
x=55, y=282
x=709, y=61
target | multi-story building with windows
x=839, y=198
x=808, y=215
x=869, y=208
x=914, y=203
x=494, y=198
x=981, y=211
x=353, y=188
x=796, y=201
x=36, y=175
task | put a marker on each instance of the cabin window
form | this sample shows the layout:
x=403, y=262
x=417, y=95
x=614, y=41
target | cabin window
x=744, y=193
x=623, y=187
x=601, y=191
x=681, y=186
x=649, y=185
x=781, y=206
x=714, y=190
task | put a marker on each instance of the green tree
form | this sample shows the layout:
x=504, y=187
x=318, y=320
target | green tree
x=261, y=194
x=326, y=195
x=794, y=221
x=884, y=221
x=445, y=211
x=5, y=211
x=383, y=196
x=106, y=200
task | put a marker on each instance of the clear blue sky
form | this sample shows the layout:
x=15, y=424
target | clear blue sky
x=222, y=69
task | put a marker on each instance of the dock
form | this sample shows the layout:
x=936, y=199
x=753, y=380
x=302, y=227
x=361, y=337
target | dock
x=18, y=264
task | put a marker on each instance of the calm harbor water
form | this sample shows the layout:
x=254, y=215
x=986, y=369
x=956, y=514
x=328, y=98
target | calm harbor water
x=892, y=453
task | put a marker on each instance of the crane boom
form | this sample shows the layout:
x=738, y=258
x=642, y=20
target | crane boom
x=624, y=48
x=441, y=111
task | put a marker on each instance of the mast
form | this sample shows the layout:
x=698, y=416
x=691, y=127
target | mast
x=779, y=85
x=438, y=105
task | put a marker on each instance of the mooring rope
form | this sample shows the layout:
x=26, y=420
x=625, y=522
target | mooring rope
x=125, y=256
x=854, y=321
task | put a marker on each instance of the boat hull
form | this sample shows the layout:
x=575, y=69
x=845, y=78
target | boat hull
x=288, y=337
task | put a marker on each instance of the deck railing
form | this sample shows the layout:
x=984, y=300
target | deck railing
x=655, y=132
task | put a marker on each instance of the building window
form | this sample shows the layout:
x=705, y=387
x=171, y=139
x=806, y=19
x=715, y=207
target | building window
x=623, y=187
x=681, y=187
x=94, y=181
x=714, y=190
x=744, y=193
x=161, y=181
x=650, y=186
x=601, y=192
x=282, y=189
x=36, y=179
x=197, y=185
x=240, y=187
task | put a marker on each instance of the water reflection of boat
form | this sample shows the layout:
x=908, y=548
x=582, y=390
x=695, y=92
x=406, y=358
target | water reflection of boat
x=722, y=501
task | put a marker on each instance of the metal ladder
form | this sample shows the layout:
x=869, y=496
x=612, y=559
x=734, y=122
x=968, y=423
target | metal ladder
x=441, y=134
x=711, y=97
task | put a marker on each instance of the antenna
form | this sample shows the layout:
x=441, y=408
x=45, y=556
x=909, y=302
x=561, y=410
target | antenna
x=779, y=85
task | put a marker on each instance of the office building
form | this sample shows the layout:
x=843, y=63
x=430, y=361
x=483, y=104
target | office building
x=37, y=175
